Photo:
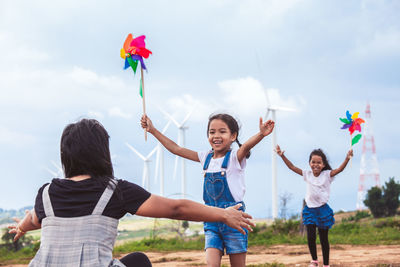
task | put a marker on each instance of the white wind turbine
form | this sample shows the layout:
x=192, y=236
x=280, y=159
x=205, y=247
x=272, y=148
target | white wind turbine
x=272, y=109
x=146, y=161
x=181, y=142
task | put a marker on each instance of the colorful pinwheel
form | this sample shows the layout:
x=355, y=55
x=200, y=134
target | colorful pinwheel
x=133, y=51
x=352, y=123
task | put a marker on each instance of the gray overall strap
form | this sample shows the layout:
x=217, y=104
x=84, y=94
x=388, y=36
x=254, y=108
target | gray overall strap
x=105, y=197
x=48, y=209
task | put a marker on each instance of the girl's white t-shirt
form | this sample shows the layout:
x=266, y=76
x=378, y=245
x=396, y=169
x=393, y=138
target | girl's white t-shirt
x=318, y=188
x=234, y=172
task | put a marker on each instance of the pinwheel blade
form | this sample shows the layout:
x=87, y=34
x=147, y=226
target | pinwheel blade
x=122, y=53
x=143, y=52
x=358, y=127
x=355, y=115
x=346, y=126
x=138, y=42
x=352, y=128
x=348, y=115
x=344, y=120
x=132, y=63
x=126, y=64
x=127, y=42
x=359, y=120
x=356, y=139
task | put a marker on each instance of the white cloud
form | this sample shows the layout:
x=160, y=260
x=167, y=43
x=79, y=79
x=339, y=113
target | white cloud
x=95, y=114
x=182, y=106
x=381, y=44
x=117, y=112
x=245, y=95
x=15, y=138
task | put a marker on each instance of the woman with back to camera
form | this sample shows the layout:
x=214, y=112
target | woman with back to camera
x=79, y=215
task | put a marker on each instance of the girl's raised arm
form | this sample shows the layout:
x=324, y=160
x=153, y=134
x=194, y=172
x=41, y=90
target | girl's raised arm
x=168, y=143
x=288, y=162
x=265, y=129
x=344, y=164
x=182, y=209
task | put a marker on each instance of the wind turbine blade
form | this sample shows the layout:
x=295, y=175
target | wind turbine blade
x=151, y=153
x=188, y=115
x=284, y=108
x=170, y=117
x=58, y=167
x=135, y=151
x=51, y=172
x=266, y=114
x=166, y=127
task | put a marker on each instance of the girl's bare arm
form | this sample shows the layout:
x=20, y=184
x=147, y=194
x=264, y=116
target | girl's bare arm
x=182, y=209
x=265, y=129
x=288, y=162
x=166, y=142
x=344, y=164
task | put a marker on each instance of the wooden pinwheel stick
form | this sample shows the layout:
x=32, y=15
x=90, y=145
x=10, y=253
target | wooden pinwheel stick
x=143, y=100
x=351, y=146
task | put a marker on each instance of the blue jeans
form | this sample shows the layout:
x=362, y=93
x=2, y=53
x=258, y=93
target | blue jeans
x=216, y=193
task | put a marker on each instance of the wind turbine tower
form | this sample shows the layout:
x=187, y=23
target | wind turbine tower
x=159, y=172
x=181, y=142
x=272, y=109
x=369, y=162
x=146, y=161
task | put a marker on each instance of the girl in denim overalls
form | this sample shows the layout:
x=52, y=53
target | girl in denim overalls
x=223, y=180
x=317, y=213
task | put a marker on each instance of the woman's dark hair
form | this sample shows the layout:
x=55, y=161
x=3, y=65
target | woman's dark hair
x=232, y=125
x=85, y=150
x=319, y=152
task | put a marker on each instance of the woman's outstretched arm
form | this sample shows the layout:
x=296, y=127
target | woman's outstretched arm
x=28, y=223
x=344, y=164
x=182, y=209
x=287, y=161
x=166, y=142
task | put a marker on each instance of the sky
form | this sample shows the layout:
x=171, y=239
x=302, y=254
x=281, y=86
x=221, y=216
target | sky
x=59, y=62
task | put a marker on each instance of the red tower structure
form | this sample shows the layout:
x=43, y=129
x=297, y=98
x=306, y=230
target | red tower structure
x=369, y=171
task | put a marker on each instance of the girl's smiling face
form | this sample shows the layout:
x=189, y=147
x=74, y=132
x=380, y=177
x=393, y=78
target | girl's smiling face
x=316, y=164
x=220, y=137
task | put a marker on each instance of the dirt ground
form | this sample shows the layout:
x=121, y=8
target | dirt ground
x=292, y=255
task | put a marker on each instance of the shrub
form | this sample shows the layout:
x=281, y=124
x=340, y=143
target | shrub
x=383, y=202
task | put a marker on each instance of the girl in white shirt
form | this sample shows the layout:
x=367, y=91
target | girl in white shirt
x=223, y=180
x=317, y=213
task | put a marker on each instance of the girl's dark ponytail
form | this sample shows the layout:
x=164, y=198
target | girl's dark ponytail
x=239, y=144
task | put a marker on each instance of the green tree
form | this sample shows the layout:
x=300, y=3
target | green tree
x=383, y=202
x=374, y=201
x=391, y=193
